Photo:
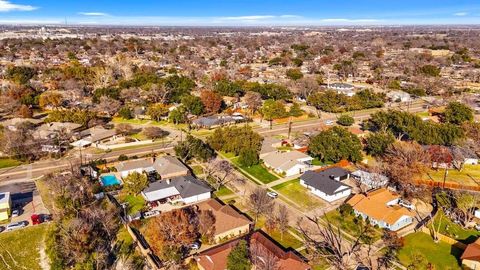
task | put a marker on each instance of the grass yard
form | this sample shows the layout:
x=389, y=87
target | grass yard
x=346, y=223
x=197, y=170
x=223, y=191
x=24, y=246
x=288, y=240
x=299, y=194
x=139, y=136
x=135, y=203
x=8, y=162
x=257, y=171
x=470, y=175
x=455, y=231
x=441, y=255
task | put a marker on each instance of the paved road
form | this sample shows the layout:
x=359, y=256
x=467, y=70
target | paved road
x=318, y=124
x=29, y=171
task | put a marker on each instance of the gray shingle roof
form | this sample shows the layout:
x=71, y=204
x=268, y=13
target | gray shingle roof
x=187, y=186
x=323, y=182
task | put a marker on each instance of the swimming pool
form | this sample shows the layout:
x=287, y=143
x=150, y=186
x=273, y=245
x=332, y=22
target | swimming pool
x=109, y=180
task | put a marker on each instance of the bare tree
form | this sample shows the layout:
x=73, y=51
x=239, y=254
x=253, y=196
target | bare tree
x=253, y=101
x=220, y=171
x=263, y=259
x=260, y=202
x=124, y=129
x=282, y=219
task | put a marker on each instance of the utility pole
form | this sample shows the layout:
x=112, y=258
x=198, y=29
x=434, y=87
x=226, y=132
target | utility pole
x=289, y=127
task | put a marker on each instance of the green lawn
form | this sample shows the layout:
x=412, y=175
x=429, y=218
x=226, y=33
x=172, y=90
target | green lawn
x=135, y=203
x=455, y=231
x=288, y=240
x=347, y=224
x=469, y=175
x=223, y=191
x=299, y=194
x=23, y=245
x=197, y=170
x=8, y=162
x=257, y=171
x=441, y=254
x=139, y=136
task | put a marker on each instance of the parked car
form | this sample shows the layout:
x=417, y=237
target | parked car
x=195, y=246
x=151, y=213
x=406, y=204
x=329, y=122
x=16, y=225
x=16, y=212
x=272, y=194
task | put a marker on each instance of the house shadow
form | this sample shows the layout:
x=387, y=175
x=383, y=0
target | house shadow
x=457, y=253
x=22, y=198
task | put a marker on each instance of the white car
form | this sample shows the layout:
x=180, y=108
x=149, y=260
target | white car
x=406, y=204
x=151, y=213
x=16, y=225
x=329, y=122
x=195, y=246
x=272, y=194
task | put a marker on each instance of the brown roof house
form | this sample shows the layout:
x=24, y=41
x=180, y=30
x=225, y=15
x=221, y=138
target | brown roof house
x=229, y=223
x=381, y=207
x=263, y=251
x=471, y=255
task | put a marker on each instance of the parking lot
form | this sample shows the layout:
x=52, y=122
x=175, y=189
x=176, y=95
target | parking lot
x=26, y=199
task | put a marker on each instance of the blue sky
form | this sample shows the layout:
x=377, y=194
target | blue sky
x=240, y=12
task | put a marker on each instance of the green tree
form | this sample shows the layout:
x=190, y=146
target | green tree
x=178, y=86
x=378, y=142
x=193, y=104
x=238, y=258
x=248, y=157
x=335, y=144
x=235, y=140
x=135, y=182
x=228, y=88
x=125, y=113
x=20, y=74
x=272, y=109
x=457, y=113
x=345, y=120
x=157, y=111
x=430, y=70
x=328, y=101
x=295, y=110
x=178, y=115
x=192, y=147
x=294, y=74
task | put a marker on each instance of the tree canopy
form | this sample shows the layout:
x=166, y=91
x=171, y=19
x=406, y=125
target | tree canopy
x=335, y=144
x=457, y=113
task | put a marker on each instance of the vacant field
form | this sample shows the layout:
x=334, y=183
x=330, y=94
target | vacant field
x=469, y=175
x=20, y=249
x=421, y=246
x=299, y=194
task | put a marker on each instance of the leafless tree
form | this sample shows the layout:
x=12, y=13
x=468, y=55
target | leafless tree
x=260, y=203
x=282, y=219
x=253, y=101
x=263, y=259
x=108, y=106
x=220, y=171
x=124, y=129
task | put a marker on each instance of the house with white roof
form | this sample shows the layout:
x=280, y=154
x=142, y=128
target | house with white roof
x=288, y=163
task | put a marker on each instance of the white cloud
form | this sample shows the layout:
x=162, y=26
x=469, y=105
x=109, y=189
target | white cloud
x=249, y=18
x=6, y=6
x=460, y=14
x=98, y=14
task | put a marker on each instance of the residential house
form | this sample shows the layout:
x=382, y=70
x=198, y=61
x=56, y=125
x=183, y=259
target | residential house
x=371, y=180
x=216, y=121
x=343, y=88
x=399, y=96
x=124, y=168
x=288, y=163
x=5, y=205
x=269, y=145
x=229, y=223
x=327, y=184
x=169, y=167
x=51, y=130
x=471, y=255
x=184, y=189
x=12, y=123
x=464, y=156
x=381, y=207
x=94, y=136
x=260, y=246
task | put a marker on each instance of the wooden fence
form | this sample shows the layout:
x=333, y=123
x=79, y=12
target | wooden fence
x=449, y=185
x=446, y=239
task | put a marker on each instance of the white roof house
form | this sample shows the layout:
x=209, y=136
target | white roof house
x=288, y=163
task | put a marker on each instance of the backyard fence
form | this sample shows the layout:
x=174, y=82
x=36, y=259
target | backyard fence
x=449, y=185
x=446, y=239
